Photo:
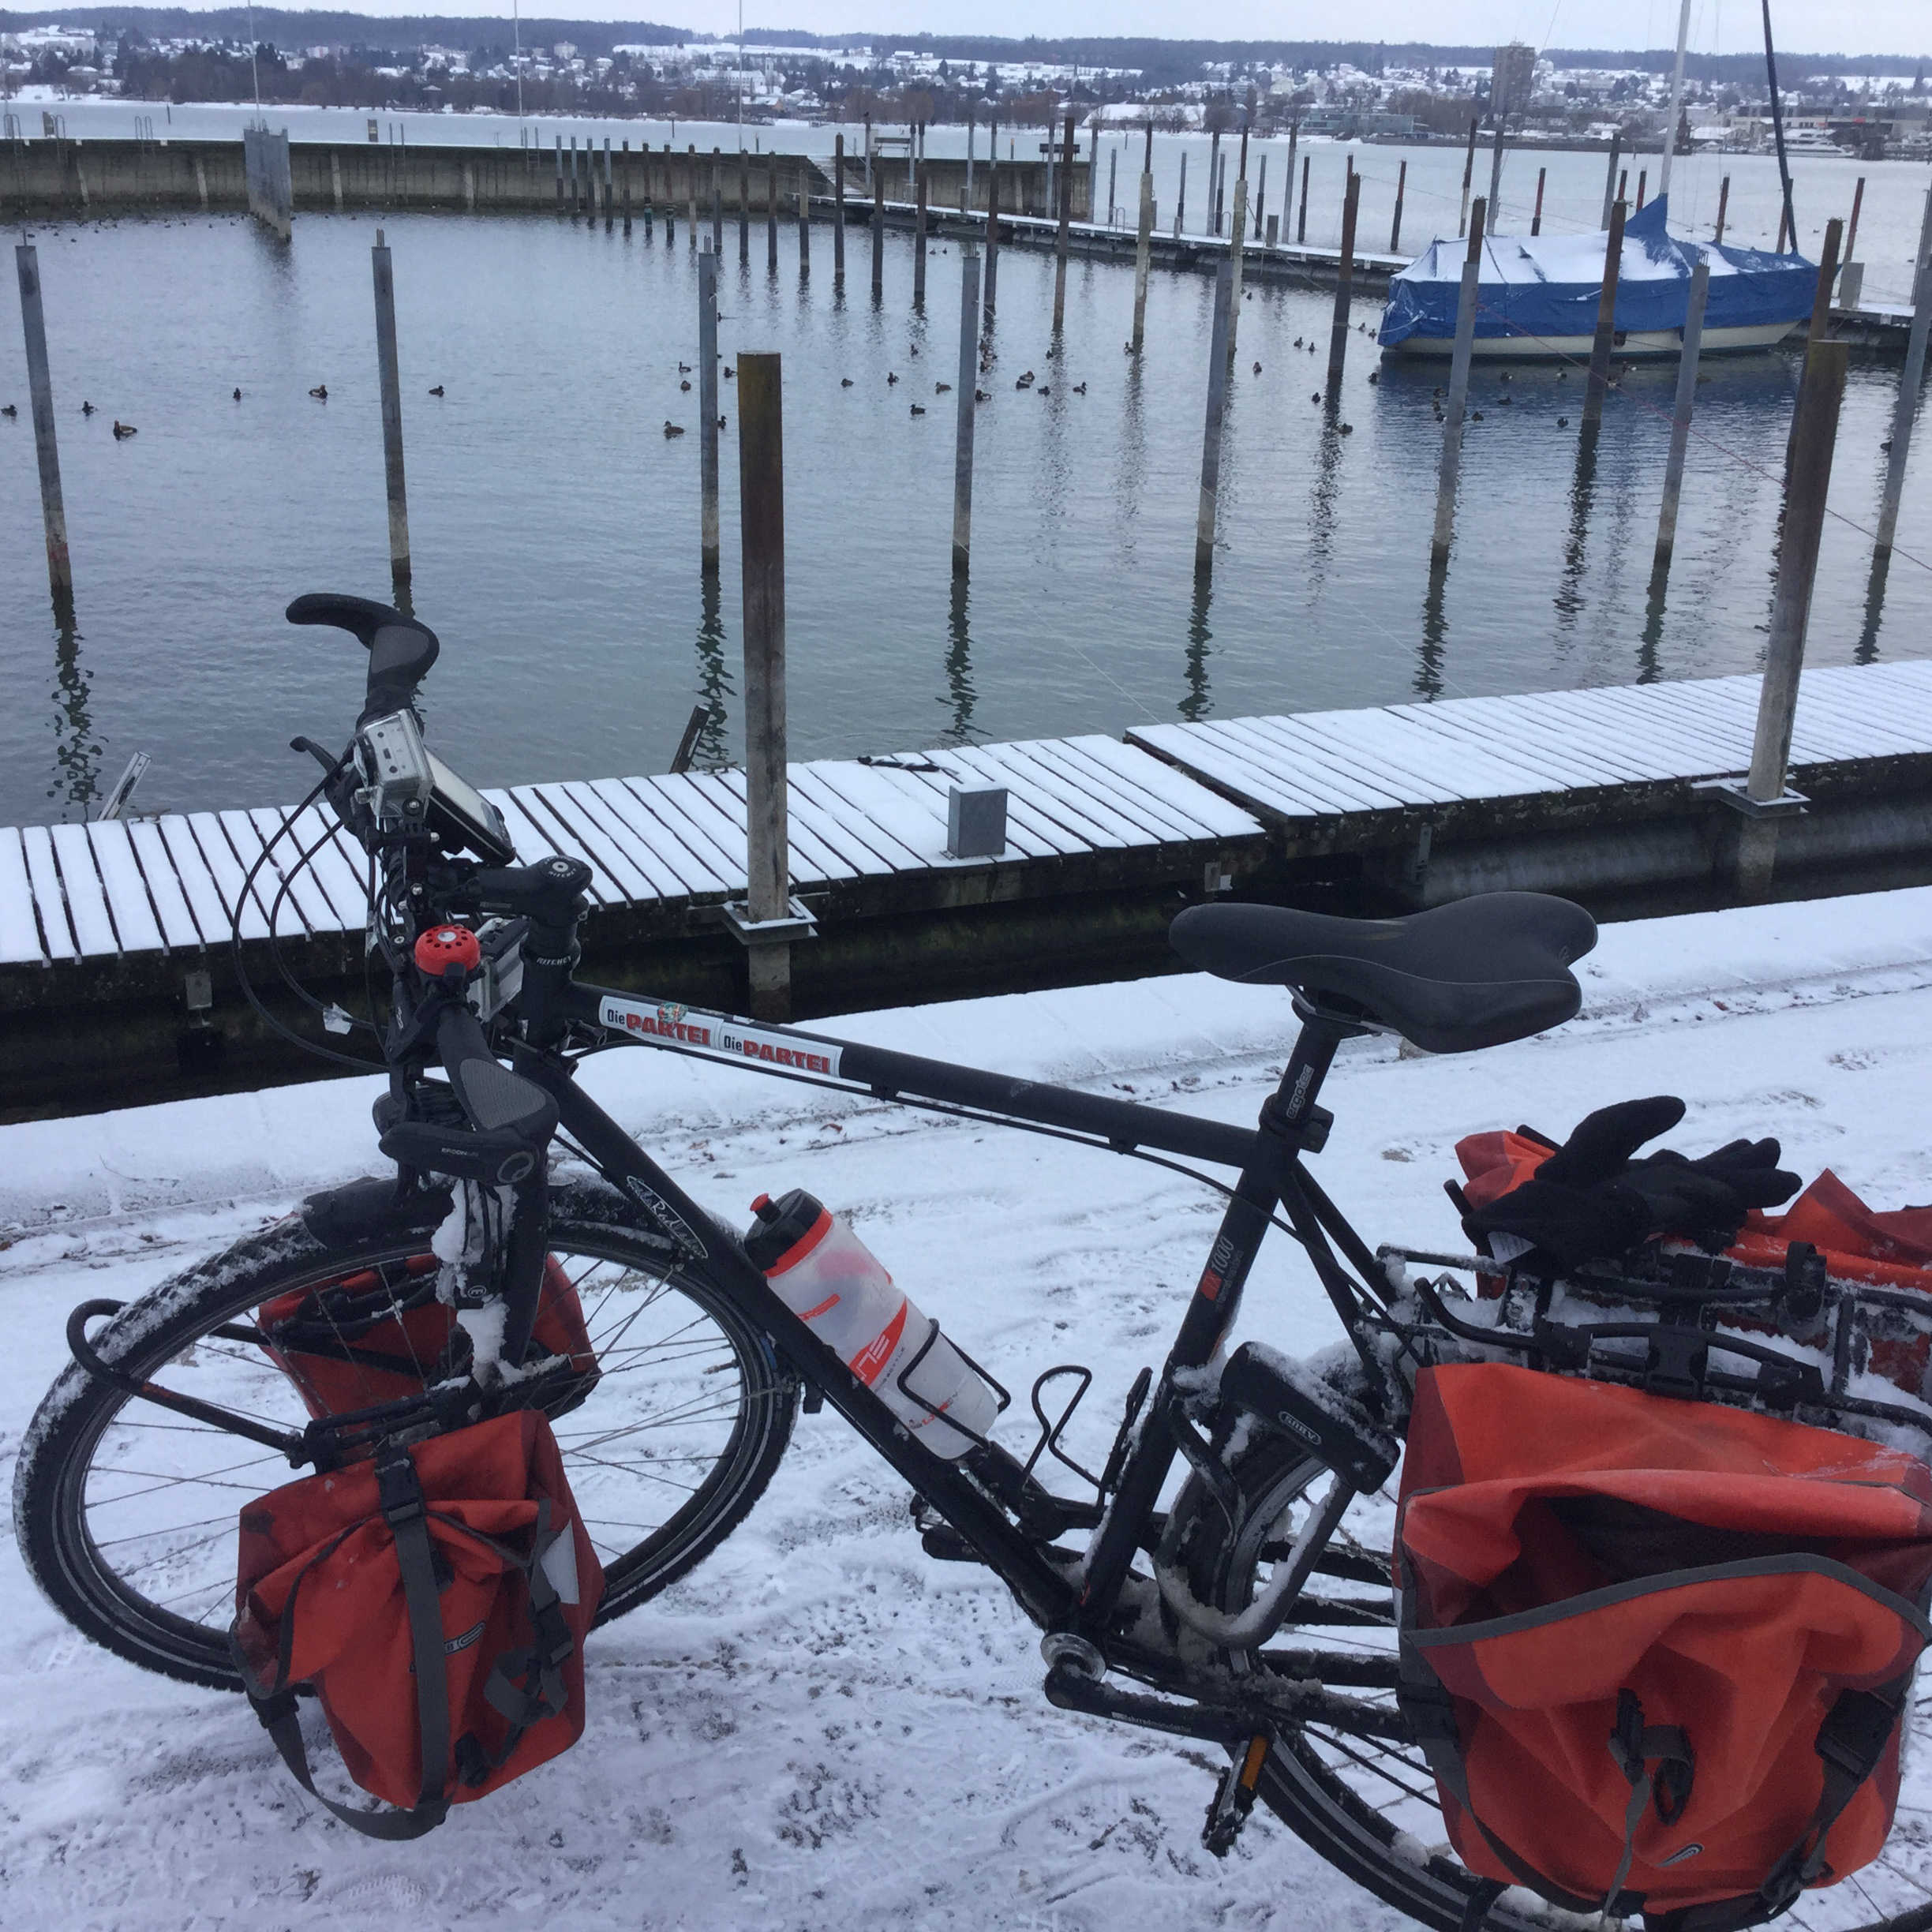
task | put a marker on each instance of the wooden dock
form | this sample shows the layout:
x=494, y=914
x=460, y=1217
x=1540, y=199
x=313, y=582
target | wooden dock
x=116, y=980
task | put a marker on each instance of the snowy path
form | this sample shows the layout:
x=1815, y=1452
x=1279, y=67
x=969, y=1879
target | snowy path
x=820, y=1728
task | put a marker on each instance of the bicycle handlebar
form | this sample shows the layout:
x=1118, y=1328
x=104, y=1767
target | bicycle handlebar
x=401, y=649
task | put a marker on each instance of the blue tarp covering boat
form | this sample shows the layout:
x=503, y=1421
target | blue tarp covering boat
x=1545, y=289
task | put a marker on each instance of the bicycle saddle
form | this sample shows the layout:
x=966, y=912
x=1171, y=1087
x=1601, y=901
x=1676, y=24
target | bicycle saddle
x=1474, y=973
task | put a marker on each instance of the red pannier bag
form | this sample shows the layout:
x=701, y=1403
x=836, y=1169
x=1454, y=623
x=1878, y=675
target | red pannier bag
x=437, y=1598
x=353, y=1343
x=1655, y=1651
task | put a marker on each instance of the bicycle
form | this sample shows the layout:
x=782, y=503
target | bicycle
x=1165, y=1618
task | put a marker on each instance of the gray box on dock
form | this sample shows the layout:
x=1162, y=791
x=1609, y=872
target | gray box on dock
x=975, y=822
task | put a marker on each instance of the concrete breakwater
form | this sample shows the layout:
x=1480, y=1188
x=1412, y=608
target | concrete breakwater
x=61, y=179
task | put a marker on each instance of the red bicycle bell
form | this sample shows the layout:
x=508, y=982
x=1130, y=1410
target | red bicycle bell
x=442, y=947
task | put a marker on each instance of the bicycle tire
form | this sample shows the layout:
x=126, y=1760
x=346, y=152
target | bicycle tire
x=169, y=1326
x=1302, y=1787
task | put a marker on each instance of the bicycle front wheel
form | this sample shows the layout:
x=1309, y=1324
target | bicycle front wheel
x=1359, y=1792
x=126, y=1512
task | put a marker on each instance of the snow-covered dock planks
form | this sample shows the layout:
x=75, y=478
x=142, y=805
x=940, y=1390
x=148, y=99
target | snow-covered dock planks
x=72, y=893
x=1312, y=774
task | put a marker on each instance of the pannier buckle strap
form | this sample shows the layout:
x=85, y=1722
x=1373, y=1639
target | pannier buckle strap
x=1635, y=1745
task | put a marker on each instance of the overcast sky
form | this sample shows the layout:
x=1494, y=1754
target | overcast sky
x=1726, y=26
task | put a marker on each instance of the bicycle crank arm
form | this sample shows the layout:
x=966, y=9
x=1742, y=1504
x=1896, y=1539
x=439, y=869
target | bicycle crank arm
x=1075, y=1682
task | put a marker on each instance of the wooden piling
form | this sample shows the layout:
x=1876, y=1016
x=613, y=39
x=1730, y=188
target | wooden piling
x=690, y=187
x=965, y=383
x=1112, y=166
x=1143, y=244
x=919, y=240
x=708, y=411
x=1858, y=202
x=1468, y=171
x=1495, y=172
x=804, y=221
x=559, y=174
x=610, y=195
x=717, y=205
x=771, y=216
x=1827, y=276
x=989, y=294
x=1622, y=192
x=760, y=518
x=1338, y=331
x=744, y=207
x=1459, y=389
x=1612, y=192
x=878, y=232
x=391, y=384
x=1181, y=197
x=1060, y=240
x=1211, y=437
x=1680, y=420
x=1643, y=182
x=1819, y=397
x=627, y=188
x=838, y=212
x=1236, y=235
x=1784, y=217
x=1294, y=131
x=46, y=450
x=1401, y=188
x=1260, y=197
x=1213, y=183
x=1724, y=201
x=1536, y=220
x=1606, y=321
x=1301, y=217
x=1906, y=408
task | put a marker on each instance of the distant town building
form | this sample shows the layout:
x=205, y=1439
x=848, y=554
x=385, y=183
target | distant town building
x=1512, y=79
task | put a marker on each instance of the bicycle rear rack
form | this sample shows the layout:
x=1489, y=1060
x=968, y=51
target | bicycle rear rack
x=1818, y=1330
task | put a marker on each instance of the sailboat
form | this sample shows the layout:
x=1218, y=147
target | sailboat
x=1537, y=295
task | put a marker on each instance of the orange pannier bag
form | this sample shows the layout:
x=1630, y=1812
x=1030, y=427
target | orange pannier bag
x=1655, y=1651
x=353, y=1343
x=436, y=1596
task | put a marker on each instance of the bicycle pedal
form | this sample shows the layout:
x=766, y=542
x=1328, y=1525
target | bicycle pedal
x=1234, y=1796
x=945, y=1544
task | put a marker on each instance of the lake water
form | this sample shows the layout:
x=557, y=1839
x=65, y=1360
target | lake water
x=555, y=533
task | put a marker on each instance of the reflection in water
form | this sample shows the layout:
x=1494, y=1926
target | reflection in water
x=1867, y=651
x=1428, y=677
x=1583, y=486
x=1133, y=457
x=1649, y=666
x=711, y=752
x=960, y=693
x=1322, y=508
x=1199, y=701
x=76, y=755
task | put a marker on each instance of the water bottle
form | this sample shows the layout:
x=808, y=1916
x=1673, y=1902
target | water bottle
x=834, y=1283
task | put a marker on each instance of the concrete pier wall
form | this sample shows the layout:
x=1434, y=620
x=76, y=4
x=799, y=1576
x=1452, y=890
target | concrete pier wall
x=47, y=180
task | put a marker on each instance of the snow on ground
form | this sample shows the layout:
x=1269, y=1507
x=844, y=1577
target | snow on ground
x=820, y=1728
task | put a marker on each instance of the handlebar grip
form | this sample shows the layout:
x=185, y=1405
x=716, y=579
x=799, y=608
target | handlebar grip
x=401, y=649
x=494, y=1099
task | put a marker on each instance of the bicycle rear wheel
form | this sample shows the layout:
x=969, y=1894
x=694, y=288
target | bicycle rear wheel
x=126, y=1512
x=1366, y=1801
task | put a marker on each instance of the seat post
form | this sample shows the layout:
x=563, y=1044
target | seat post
x=1287, y=1113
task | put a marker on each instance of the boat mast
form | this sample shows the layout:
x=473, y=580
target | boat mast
x=1777, y=130
x=1676, y=102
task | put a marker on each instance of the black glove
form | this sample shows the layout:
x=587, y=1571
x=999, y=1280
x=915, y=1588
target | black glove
x=1589, y=1200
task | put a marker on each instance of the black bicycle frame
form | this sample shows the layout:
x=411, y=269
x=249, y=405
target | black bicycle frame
x=1271, y=1176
